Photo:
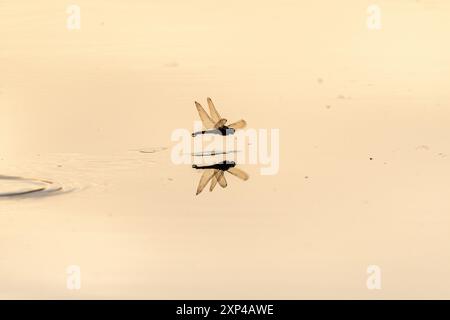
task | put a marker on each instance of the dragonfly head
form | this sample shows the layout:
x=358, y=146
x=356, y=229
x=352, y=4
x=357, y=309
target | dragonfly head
x=194, y=166
x=229, y=130
x=229, y=163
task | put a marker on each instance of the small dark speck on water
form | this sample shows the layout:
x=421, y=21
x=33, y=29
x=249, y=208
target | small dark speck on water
x=328, y=106
x=153, y=150
x=320, y=80
x=306, y=177
x=170, y=179
x=173, y=64
x=370, y=158
x=423, y=147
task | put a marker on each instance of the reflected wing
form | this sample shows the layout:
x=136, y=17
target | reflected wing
x=206, y=176
x=213, y=180
x=221, y=178
x=212, y=111
x=220, y=123
x=207, y=121
x=239, y=173
x=238, y=124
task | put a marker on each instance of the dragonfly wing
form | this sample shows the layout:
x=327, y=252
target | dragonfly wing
x=206, y=176
x=220, y=123
x=221, y=179
x=206, y=119
x=238, y=124
x=213, y=111
x=213, y=180
x=239, y=173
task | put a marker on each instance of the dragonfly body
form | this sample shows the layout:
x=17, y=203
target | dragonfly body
x=223, y=131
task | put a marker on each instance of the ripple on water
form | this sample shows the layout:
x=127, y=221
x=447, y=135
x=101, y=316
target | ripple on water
x=61, y=173
x=13, y=186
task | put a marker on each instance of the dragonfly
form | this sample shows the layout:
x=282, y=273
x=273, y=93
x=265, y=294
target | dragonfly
x=216, y=174
x=214, y=123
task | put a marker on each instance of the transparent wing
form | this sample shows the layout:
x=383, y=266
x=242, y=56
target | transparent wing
x=239, y=173
x=238, y=124
x=220, y=123
x=213, y=180
x=206, y=176
x=207, y=121
x=221, y=179
x=212, y=111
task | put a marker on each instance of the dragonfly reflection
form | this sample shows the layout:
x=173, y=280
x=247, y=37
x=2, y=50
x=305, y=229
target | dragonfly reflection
x=214, y=123
x=216, y=174
x=212, y=153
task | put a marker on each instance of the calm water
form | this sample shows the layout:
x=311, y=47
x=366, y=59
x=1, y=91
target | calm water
x=364, y=154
